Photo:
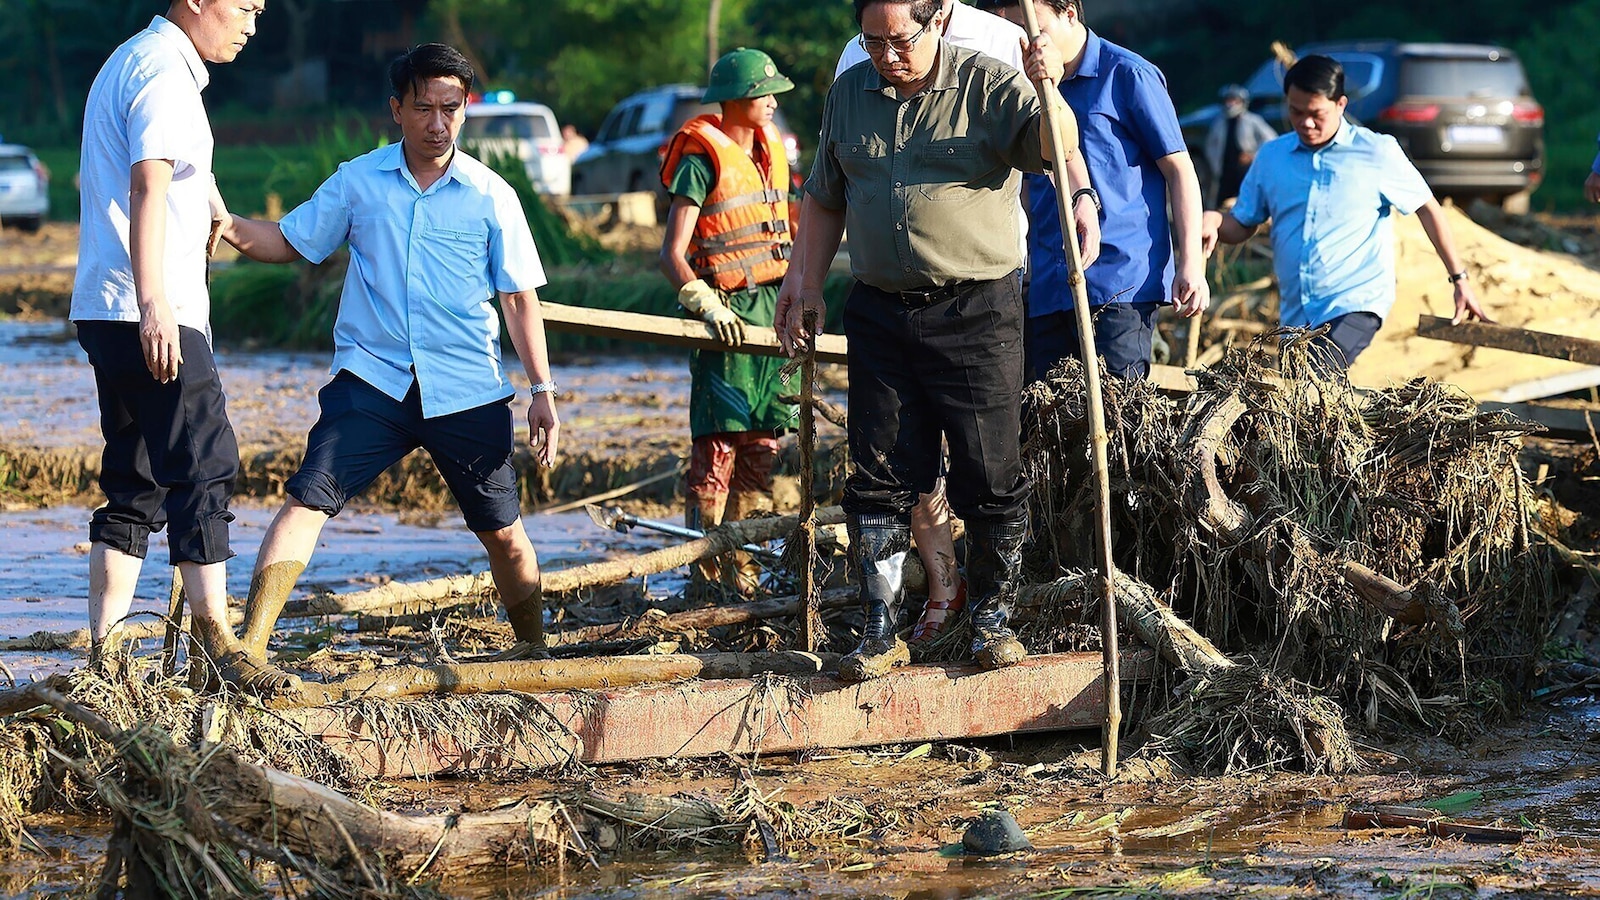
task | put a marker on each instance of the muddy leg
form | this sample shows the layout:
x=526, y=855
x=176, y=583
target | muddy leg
x=930, y=529
x=285, y=552
x=112, y=576
x=515, y=567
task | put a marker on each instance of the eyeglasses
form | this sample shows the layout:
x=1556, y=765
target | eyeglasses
x=901, y=46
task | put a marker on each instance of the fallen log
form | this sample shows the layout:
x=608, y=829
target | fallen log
x=1436, y=826
x=1140, y=606
x=547, y=676
x=698, y=619
x=407, y=598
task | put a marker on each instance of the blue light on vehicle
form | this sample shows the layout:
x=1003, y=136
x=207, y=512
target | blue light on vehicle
x=500, y=97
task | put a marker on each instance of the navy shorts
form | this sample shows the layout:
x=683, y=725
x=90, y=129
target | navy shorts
x=362, y=431
x=171, y=457
x=1121, y=336
x=1347, y=336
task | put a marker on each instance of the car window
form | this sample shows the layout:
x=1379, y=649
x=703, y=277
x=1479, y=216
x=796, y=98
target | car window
x=629, y=126
x=1363, y=72
x=608, y=128
x=654, y=114
x=14, y=164
x=1442, y=77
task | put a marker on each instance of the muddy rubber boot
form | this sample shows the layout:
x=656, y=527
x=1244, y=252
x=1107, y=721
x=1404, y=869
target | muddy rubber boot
x=703, y=512
x=745, y=574
x=527, y=620
x=269, y=591
x=878, y=548
x=994, y=574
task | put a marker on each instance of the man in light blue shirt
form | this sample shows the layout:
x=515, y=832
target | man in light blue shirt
x=434, y=236
x=1330, y=189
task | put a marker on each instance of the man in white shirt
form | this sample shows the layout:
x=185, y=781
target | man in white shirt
x=143, y=317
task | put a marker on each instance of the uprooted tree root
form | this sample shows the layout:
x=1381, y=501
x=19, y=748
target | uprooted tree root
x=1370, y=550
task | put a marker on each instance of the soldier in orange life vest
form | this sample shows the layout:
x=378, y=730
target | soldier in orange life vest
x=726, y=250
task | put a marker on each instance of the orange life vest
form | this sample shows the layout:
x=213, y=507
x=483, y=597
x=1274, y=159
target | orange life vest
x=743, y=236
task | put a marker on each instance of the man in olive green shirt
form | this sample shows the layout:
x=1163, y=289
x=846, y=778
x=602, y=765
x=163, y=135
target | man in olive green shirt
x=919, y=155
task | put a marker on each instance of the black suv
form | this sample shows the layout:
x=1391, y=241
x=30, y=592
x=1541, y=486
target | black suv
x=1462, y=112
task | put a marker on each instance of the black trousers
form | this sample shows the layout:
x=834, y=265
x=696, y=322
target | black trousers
x=171, y=457
x=953, y=366
x=1122, y=337
x=1347, y=336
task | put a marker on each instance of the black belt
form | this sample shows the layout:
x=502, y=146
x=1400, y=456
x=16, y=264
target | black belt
x=930, y=295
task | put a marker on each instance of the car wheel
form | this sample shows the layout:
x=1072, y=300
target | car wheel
x=30, y=224
x=1518, y=204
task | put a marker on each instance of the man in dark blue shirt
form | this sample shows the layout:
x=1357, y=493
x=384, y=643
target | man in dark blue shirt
x=1139, y=165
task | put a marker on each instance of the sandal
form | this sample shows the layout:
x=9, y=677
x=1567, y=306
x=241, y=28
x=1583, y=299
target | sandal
x=929, y=628
x=256, y=676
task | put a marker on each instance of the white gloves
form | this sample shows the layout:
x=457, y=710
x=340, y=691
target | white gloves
x=703, y=300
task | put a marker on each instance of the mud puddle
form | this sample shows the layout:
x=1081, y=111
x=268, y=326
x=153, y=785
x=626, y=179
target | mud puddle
x=44, y=564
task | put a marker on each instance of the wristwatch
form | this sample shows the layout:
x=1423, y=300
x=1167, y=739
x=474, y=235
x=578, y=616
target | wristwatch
x=543, y=387
x=1093, y=194
x=1459, y=277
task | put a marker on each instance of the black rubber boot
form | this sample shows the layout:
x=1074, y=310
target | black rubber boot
x=994, y=574
x=878, y=548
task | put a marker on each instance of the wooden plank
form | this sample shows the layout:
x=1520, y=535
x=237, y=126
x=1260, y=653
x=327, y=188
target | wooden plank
x=674, y=332
x=1517, y=340
x=707, y=718
x=695, y=334
x=1553, y=386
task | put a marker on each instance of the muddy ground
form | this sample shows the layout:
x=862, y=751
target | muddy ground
x=1153, y=832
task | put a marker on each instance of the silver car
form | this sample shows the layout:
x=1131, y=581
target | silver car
x=24, y=188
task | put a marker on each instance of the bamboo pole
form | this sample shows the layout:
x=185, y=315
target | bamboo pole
x=548, y=676
x=1099, y=441
x=805, y=553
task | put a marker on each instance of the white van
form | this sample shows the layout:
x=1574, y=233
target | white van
x=527, y=131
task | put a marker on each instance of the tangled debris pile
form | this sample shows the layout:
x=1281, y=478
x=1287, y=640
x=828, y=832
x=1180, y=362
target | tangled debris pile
x=1370, y=553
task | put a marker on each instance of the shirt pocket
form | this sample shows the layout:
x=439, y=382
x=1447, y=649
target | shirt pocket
x=946, y=169
x=461, y=253
x=865, y=169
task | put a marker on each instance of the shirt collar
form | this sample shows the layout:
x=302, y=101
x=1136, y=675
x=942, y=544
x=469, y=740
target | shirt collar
x=1090, y=66
x=197, y=67
x=393, y=159
x=1343, y=138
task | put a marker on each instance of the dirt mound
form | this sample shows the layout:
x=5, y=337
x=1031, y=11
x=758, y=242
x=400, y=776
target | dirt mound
x=1518, y=286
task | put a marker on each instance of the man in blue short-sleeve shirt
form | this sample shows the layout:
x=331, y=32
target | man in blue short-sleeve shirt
x=1330, y=189
x=1140, y=167
x=434, y=237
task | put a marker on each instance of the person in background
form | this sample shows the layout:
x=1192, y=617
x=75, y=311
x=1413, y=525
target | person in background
x=1141, y=170
x=918, y=154
x=572, y=143
x=1330, y=189
x=1231, y=145
x=143, y=316
x=726, y=250
x=435, y=236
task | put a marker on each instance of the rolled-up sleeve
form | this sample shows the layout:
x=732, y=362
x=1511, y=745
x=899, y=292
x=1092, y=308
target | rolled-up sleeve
x=826, y=182
x=320, y=225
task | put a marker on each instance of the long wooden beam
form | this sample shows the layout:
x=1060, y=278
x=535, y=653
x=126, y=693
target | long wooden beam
x=674, y=332
x=1518, y=340
x=708, y=718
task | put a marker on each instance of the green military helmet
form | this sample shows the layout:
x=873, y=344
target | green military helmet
x=742, y=74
